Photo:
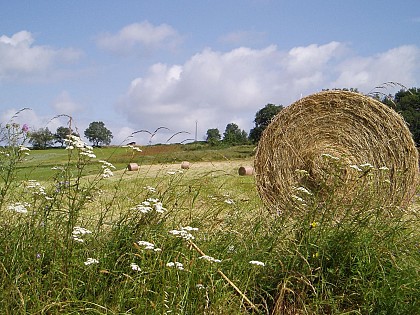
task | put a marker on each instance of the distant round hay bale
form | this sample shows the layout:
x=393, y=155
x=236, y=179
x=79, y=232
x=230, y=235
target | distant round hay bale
x=246, y=170
x=133, y=167
x=329, y=125
x=185, y=165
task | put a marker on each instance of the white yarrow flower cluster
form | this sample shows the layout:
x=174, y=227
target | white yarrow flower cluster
x=36, y=187
x=362, y=167
x=257, y=263
x=150, y=189
x=176, y=265
x=91, y=261
x=135, y=267
x=74, y=142
x=366, y=166
x=24, y=149
x=19, y=207
x=132, y=147
x=149, y=246
x=303, y=190
x=184, y=232
x=229, y=201
x=329, y=156
x=210, y=259
x=107, y=169
x=149, y=205
x=356, y=167
x=78, y=232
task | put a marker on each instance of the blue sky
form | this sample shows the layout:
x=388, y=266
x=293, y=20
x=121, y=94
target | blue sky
x=144, y=64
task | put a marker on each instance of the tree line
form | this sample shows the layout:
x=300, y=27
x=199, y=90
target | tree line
x=405, y=102
x=96, y=133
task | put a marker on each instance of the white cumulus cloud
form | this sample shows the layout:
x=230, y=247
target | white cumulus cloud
x=396, y=65
x=142, y=36
x=21, y=59
x=216, y=88
x=64, y=104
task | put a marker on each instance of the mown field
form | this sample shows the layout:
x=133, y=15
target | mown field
x=80, y=234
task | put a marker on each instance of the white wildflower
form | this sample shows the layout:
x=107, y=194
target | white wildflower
x=135, y=267
x=357, y=168
x=210, y=259
x=143, y=209
x=107, y=173
x=147, y=245
x=329, y=156
x=159, y=208
x=22, y=148
x=176, y=265
x=229, y=201
x=189, y=228
x=150, y=188
x=150, y=204
x=366, y=165
x=303, y=190
x=132, y=147
x=257, y=263
x=200, y=286
x=78, y=232
x=88, y=154
x=106, y=164
x=91, y=261
x=19, y=207
x=297, y=198
x=182, y=234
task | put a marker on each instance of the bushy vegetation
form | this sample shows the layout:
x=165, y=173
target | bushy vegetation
x=92, y=239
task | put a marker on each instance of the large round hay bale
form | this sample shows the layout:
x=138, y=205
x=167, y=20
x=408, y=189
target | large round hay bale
x=246, y=170
x=185, y=165
x=133, y=167
x=303, y=138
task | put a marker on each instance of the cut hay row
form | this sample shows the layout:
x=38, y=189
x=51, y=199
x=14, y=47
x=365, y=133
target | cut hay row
x=317, y=129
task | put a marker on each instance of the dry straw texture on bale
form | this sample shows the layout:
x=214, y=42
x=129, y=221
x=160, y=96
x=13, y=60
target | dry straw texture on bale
x=351, y=126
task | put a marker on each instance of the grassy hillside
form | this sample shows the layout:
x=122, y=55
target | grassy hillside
x=39, y=163
x=90, y=237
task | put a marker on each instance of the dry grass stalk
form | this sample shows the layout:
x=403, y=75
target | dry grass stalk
x=349, y=125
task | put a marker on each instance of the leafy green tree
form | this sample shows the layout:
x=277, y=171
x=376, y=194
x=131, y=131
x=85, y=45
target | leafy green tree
x=407, y=103
x=41, y=138
x=213, y=136
x=234, y=136
x=262, y=119
x=98, y=134
x=62, y=133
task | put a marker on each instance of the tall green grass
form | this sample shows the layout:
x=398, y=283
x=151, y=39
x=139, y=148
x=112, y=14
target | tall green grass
x=87, y=242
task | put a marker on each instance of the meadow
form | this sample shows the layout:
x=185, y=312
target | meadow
x=80, y=234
